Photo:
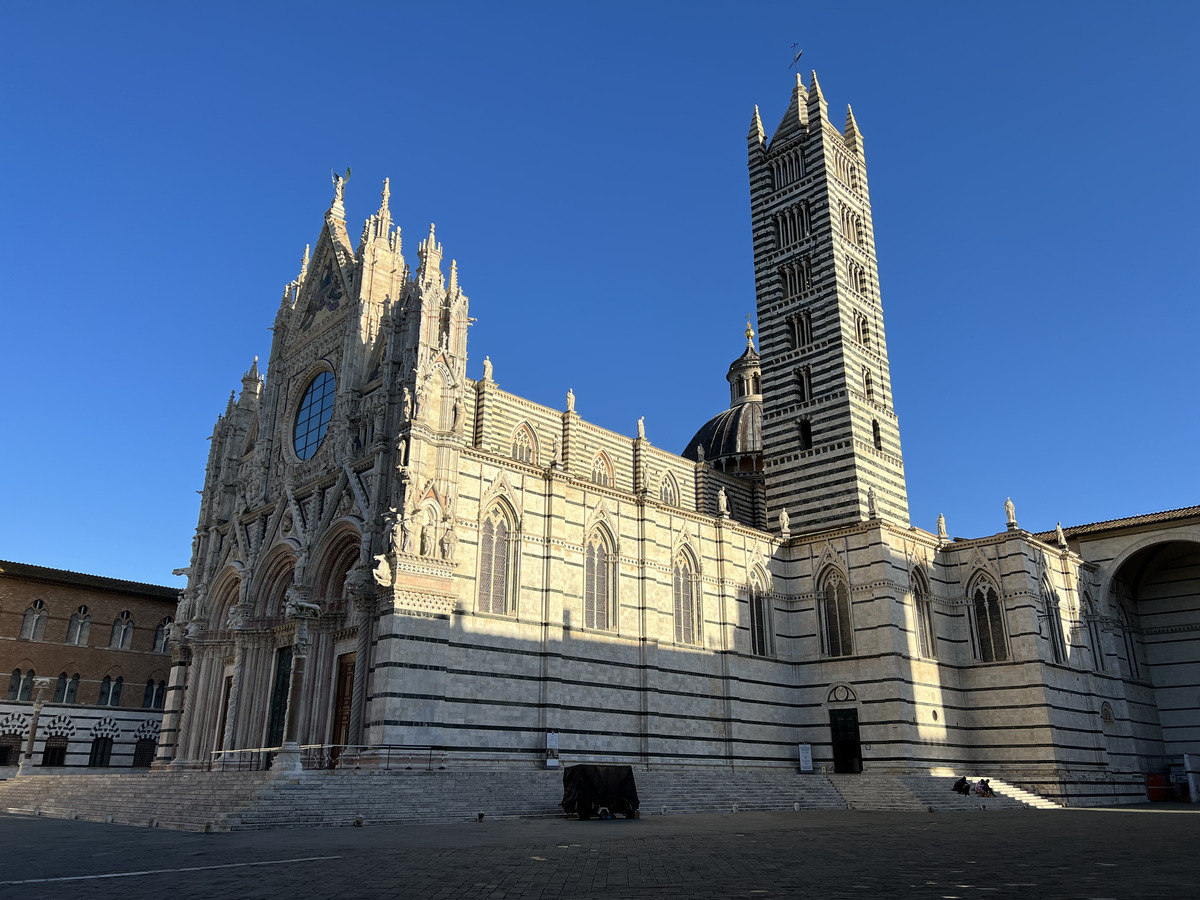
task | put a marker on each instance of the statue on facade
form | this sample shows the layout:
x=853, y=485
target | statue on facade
x=699, y=453
x=556, y=454
x=941, y=528
x=722, y=504
x=641, y=428
x=570, y=400
x=487, y=368
x=784, y=522
x=382, y=572
x=407, y=403
x=1010, y=513
x=298, y=605
x=428, y=539
x=449, y=542
x=872, y=510
x=380, y=414
x=235, y=617
x=1058, y=534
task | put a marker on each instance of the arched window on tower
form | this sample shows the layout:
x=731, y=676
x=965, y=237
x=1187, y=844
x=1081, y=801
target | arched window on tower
x=496, y=549
x=804, y=383
x=837, y=632
x=683, y=590
x=868, y=386
x=79, y=627
x=122, y=632
x=988, y=618
x=33, y=626
x=876, y=434
x=806, y=440
x=862, y=330
x=599, y=581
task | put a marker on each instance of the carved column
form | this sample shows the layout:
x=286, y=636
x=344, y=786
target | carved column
x=235, y=689
x=300, y=651
x=365, y=604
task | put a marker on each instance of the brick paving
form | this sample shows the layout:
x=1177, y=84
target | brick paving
x=1139, y=852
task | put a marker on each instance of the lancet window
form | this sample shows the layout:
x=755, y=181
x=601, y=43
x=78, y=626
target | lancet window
x=668, y=491
x=522, y=445
x=761, y=633
x=496, y=550
x=988, y=616
x=599, y=582
x=683, y=589
x=837, y=632
x=923, y=612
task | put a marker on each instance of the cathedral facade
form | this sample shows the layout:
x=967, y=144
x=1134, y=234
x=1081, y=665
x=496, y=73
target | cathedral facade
x=390, y=553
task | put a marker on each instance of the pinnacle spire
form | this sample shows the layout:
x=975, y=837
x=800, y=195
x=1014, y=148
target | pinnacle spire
x=756, y=127
x=304, y=263
x=818, y=108
x=852, y=135
x=453, y=277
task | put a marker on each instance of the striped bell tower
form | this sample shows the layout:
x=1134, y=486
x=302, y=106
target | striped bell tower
x=830, y=433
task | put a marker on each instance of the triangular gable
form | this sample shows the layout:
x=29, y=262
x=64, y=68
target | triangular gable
x=328, y=288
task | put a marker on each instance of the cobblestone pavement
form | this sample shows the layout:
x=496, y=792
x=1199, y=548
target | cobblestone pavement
x=1138, y=852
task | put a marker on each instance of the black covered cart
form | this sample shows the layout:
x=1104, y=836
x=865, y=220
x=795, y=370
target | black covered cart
x=587, y=789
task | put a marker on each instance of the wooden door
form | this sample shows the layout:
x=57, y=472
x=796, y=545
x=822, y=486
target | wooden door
x=847, y=750
x=343, y=702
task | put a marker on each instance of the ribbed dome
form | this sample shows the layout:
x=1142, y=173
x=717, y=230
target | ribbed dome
x=734, y=432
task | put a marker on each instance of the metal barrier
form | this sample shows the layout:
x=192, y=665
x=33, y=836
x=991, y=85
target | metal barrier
x=334, y=756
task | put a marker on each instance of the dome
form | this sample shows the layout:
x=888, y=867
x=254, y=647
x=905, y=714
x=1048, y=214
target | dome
x=734, y=432
x=732, y=440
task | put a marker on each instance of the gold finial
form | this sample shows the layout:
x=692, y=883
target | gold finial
x=749, y=330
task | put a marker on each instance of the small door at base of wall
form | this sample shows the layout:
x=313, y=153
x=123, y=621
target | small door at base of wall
x=847, y=750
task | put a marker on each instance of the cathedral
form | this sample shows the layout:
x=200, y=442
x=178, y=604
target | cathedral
x=392, y=554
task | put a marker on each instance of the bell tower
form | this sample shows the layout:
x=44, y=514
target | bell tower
x=830, y=432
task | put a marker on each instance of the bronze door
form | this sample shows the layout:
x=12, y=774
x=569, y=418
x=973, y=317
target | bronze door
x=343, y=703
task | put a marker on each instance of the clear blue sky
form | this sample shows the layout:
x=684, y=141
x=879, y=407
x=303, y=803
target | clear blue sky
x=1033, y=173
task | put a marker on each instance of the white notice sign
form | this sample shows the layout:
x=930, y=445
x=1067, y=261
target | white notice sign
x=551, y=749
x=806, y=757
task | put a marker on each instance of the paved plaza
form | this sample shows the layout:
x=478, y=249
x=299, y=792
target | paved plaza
x=1140, y=852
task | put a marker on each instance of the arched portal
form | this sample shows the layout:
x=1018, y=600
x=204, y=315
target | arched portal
x=1153, y=607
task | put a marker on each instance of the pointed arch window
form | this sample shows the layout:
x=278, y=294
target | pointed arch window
x=668, y=490
x=80, y=627
x=761, y=631
x=988, y=616
x=122, y=632
x=1093, y=628
x=683, y=590
x=599, y=582
x=496, y=551
x=33, y=626
x=20, y=685
x=876, y=434
x=868, y=385
x=110, y=691
x=1053, y=614
x=522, y=446
x=160, y=636
x=923, y=611
x=152, y=697
x=601, y=472
x=837, y=631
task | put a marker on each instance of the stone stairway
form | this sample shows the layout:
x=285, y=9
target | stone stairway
x=936, y=791
x=333, y=798
x=216, y=801
x=191, y=801
x=876, y=790
x=1004, y=789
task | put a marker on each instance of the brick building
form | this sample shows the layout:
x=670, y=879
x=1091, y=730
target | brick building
x=95, y=651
